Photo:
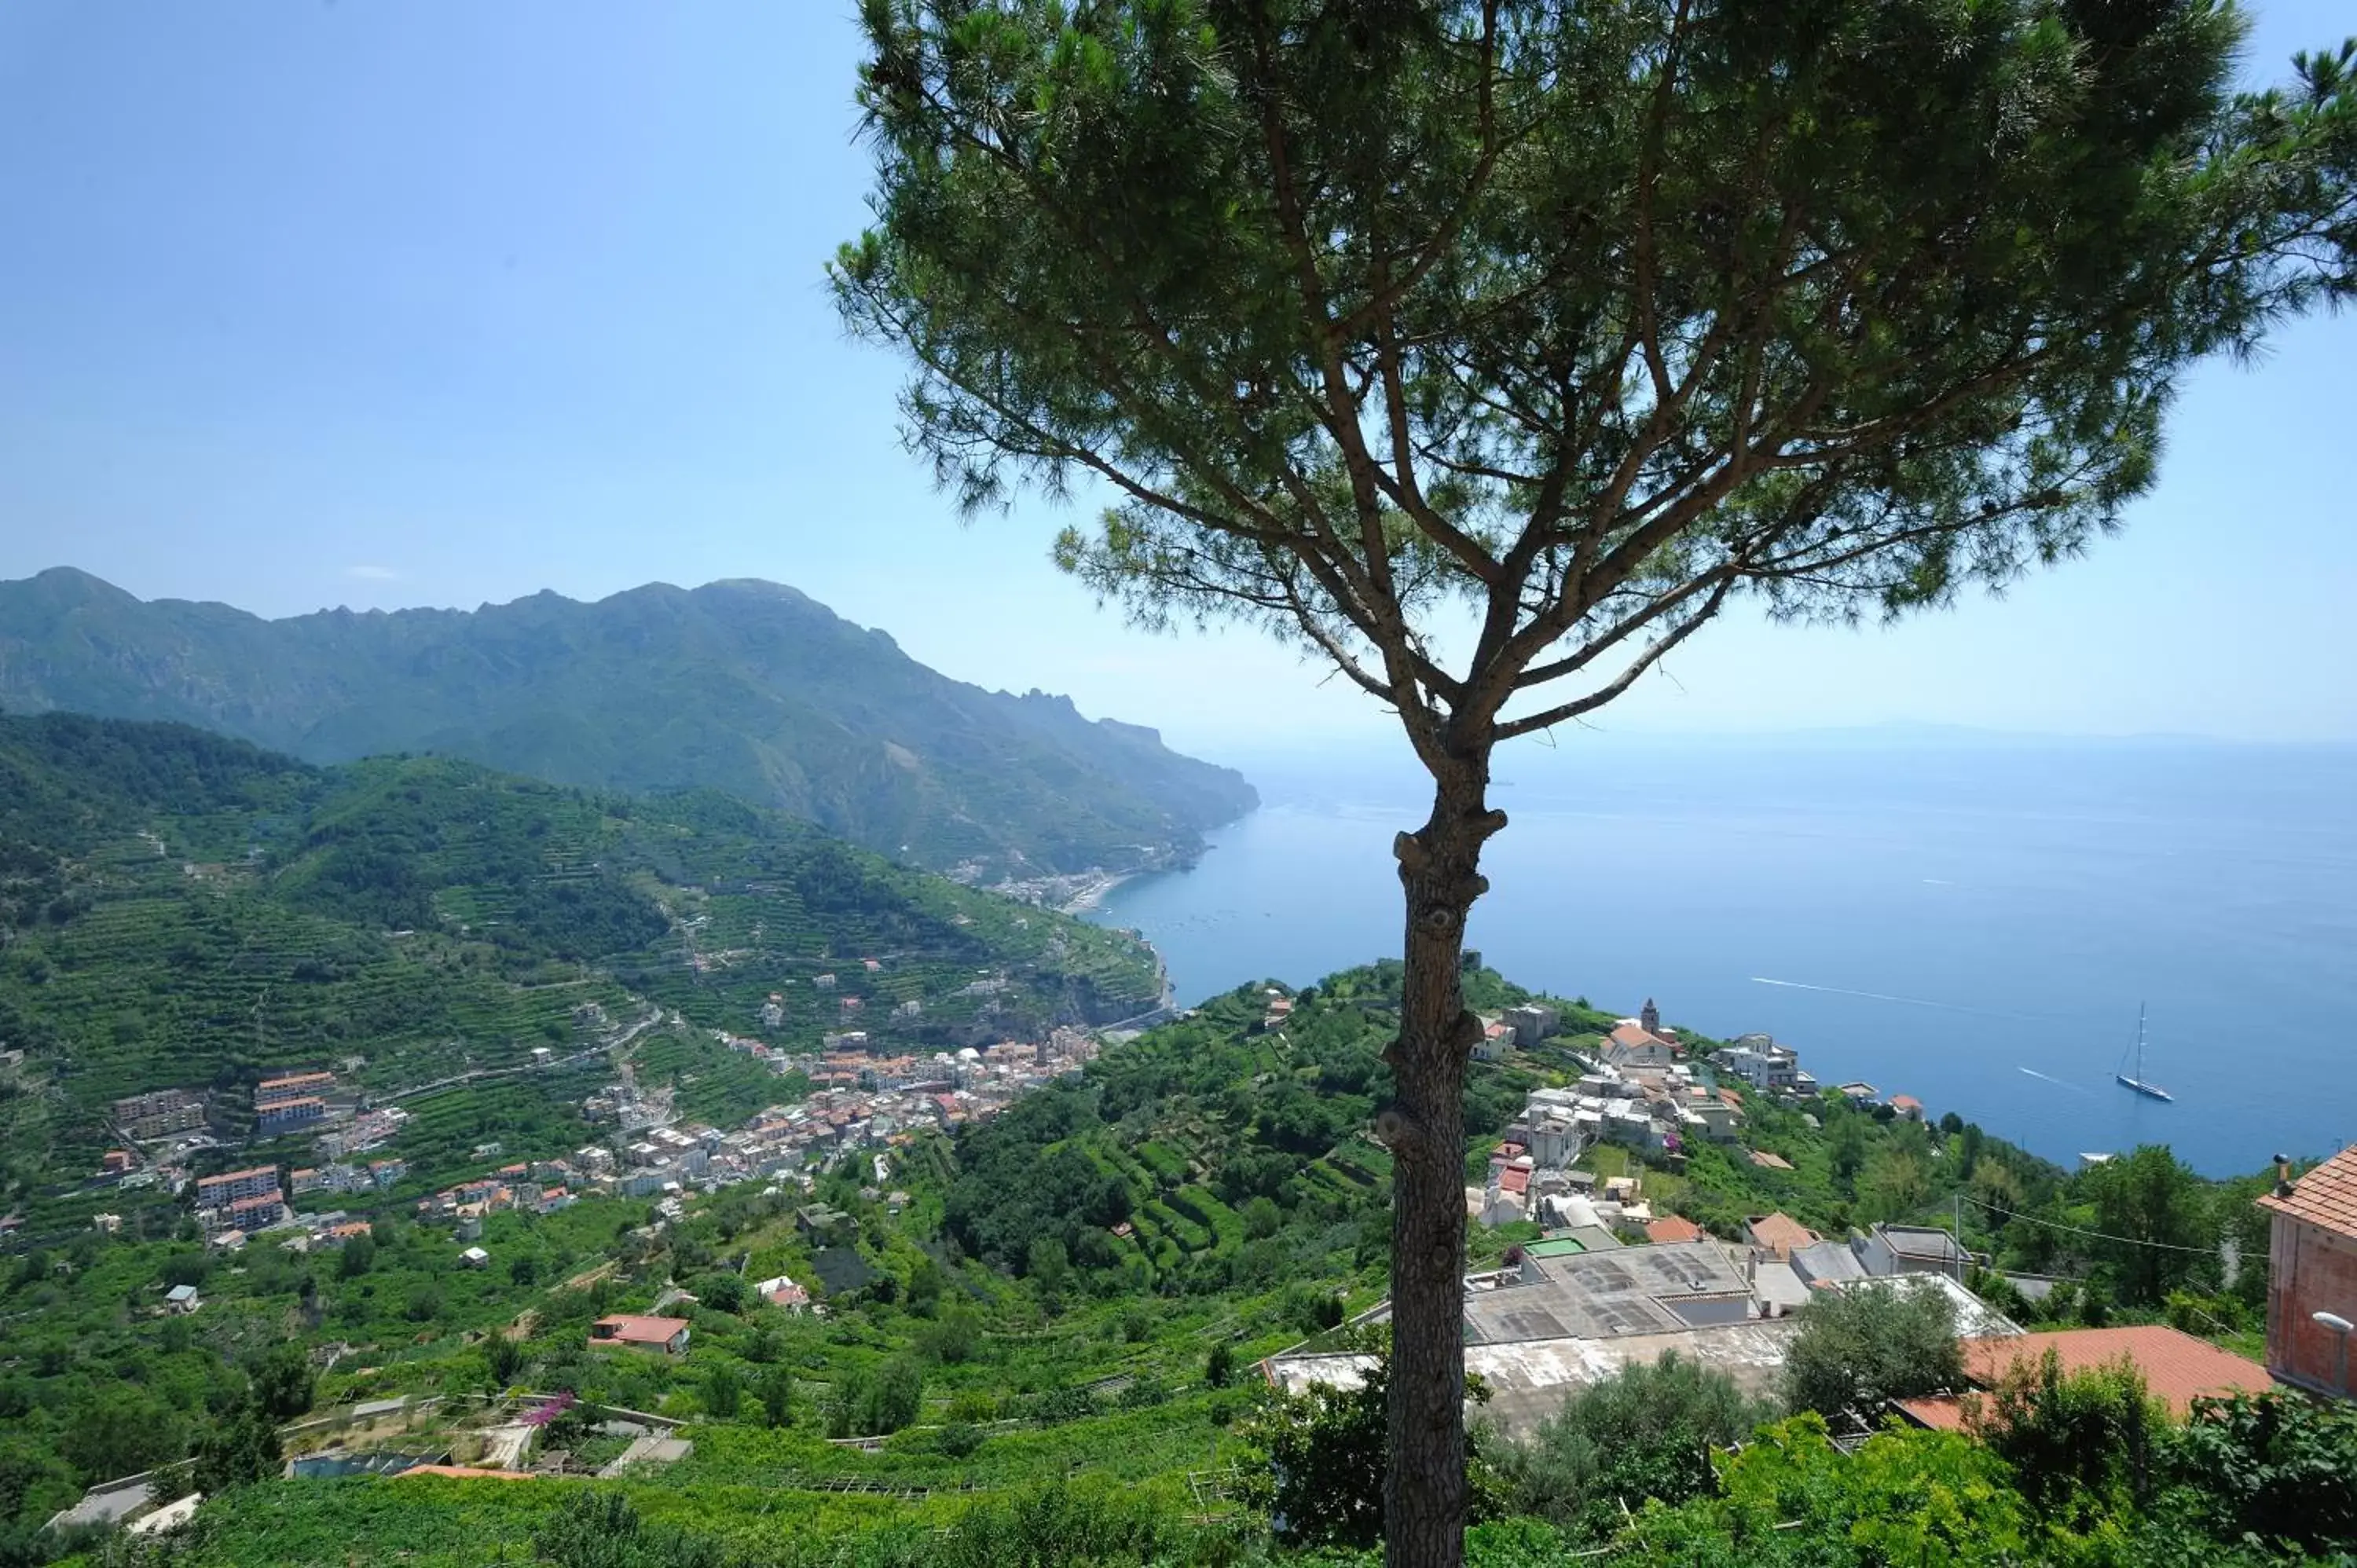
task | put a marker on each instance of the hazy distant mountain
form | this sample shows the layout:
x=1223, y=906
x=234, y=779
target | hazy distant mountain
x=745, y=686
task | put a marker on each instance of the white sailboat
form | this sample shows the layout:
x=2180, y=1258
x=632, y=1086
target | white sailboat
x=2138, y=1081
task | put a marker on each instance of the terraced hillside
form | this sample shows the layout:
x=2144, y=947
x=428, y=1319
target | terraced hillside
x=183, y=912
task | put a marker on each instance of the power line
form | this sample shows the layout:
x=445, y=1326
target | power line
x=2097, y=1235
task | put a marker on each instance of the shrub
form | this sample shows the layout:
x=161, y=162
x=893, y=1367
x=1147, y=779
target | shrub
x=502, y=1359
x=241, y=1449
x=1144, y=1392
x=724, y=1390
x=1063, y=1404
x=723, y=1293
x=1646, y=1431
x=602, y=1529
x=871, y=1404
x=777, y=1398
x=2277, y=1468
x=953, y=1337
x=1858, y=1350
x=1325, y=1450
x=1312, y=1311
x=2090, y=1433
x=973, y=1405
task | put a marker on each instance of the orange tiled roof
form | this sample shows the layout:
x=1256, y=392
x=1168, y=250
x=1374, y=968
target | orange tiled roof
x=1940, y=1413
x=2325, y=1196
x=1781, y=1233
x=203, y=1182
x=637, y=1328
x=1673, y=1227
x=2177, y=1369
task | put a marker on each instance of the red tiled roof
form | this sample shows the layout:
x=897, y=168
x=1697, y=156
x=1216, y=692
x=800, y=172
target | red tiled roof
x=1781, y=1233
x=2177, y=1367
x=1635, y=1035
x=1673, y=1227
x=1514, y=1178
x=1905, y=1101
x=2325, y=1196
x=1770, y=1162
x=633, y=1329
x=203, y=1182
x=1940, y=1413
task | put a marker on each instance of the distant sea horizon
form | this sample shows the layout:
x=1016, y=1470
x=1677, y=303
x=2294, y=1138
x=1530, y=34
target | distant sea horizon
x=1968, y=917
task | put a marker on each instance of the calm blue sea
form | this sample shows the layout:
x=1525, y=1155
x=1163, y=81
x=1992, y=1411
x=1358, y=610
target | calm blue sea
x=1971, y=921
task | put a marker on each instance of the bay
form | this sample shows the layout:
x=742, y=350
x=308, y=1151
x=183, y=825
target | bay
x=1971, y=920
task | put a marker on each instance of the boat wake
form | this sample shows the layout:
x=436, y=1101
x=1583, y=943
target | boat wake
x=2074, y=1087
x=1885, y=997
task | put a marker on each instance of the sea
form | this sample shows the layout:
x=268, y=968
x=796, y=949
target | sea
x=1972, y=919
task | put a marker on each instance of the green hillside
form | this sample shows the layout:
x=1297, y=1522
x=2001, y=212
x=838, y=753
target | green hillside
x=744, y=687
x=999, y=1376
x=180, y=910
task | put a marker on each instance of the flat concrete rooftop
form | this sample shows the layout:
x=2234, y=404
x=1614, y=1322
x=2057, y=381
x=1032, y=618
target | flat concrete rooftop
x=1603, y=1295
x=1528, y=1383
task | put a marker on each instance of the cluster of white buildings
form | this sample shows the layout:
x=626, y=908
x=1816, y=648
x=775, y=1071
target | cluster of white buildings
x=340, y=1175
x=1639, y=1094
x=536, y=1186
x=1767, y=1067
x=366, y=1131
x=863, y=1102
x=860, y=1104
x=1640, y=1091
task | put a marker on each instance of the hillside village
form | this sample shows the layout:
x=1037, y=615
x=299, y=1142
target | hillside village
x=1599, y=1281
x=1637, y=1088
x=1586, y=1264
x=1607, y=1282
x=859, y=1103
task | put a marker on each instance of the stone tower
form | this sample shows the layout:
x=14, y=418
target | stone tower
x=1650, y=1017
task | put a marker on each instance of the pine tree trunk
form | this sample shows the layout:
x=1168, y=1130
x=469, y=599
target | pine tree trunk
x=1423, y=1491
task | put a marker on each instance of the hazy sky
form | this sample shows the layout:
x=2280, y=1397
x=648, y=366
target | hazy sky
x=394, y=302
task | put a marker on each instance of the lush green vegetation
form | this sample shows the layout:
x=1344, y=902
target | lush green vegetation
x=744, y=687
x=181, y=911
x=1047, y=1354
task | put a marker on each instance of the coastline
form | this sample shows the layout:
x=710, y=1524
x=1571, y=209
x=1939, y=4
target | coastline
x=1094, y=892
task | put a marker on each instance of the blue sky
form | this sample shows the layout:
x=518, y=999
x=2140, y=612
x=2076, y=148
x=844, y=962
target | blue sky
x=436, y=302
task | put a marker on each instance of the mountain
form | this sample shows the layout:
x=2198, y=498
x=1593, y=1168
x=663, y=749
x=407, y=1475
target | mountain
x=180, y=910
x=748, y=687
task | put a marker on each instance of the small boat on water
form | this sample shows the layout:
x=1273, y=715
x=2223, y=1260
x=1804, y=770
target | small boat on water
x=2138, y=1082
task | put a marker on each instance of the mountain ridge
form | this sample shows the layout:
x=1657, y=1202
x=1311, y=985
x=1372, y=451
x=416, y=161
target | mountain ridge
x=743, y=685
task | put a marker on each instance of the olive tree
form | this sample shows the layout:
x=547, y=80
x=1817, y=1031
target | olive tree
x=1489, y=349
